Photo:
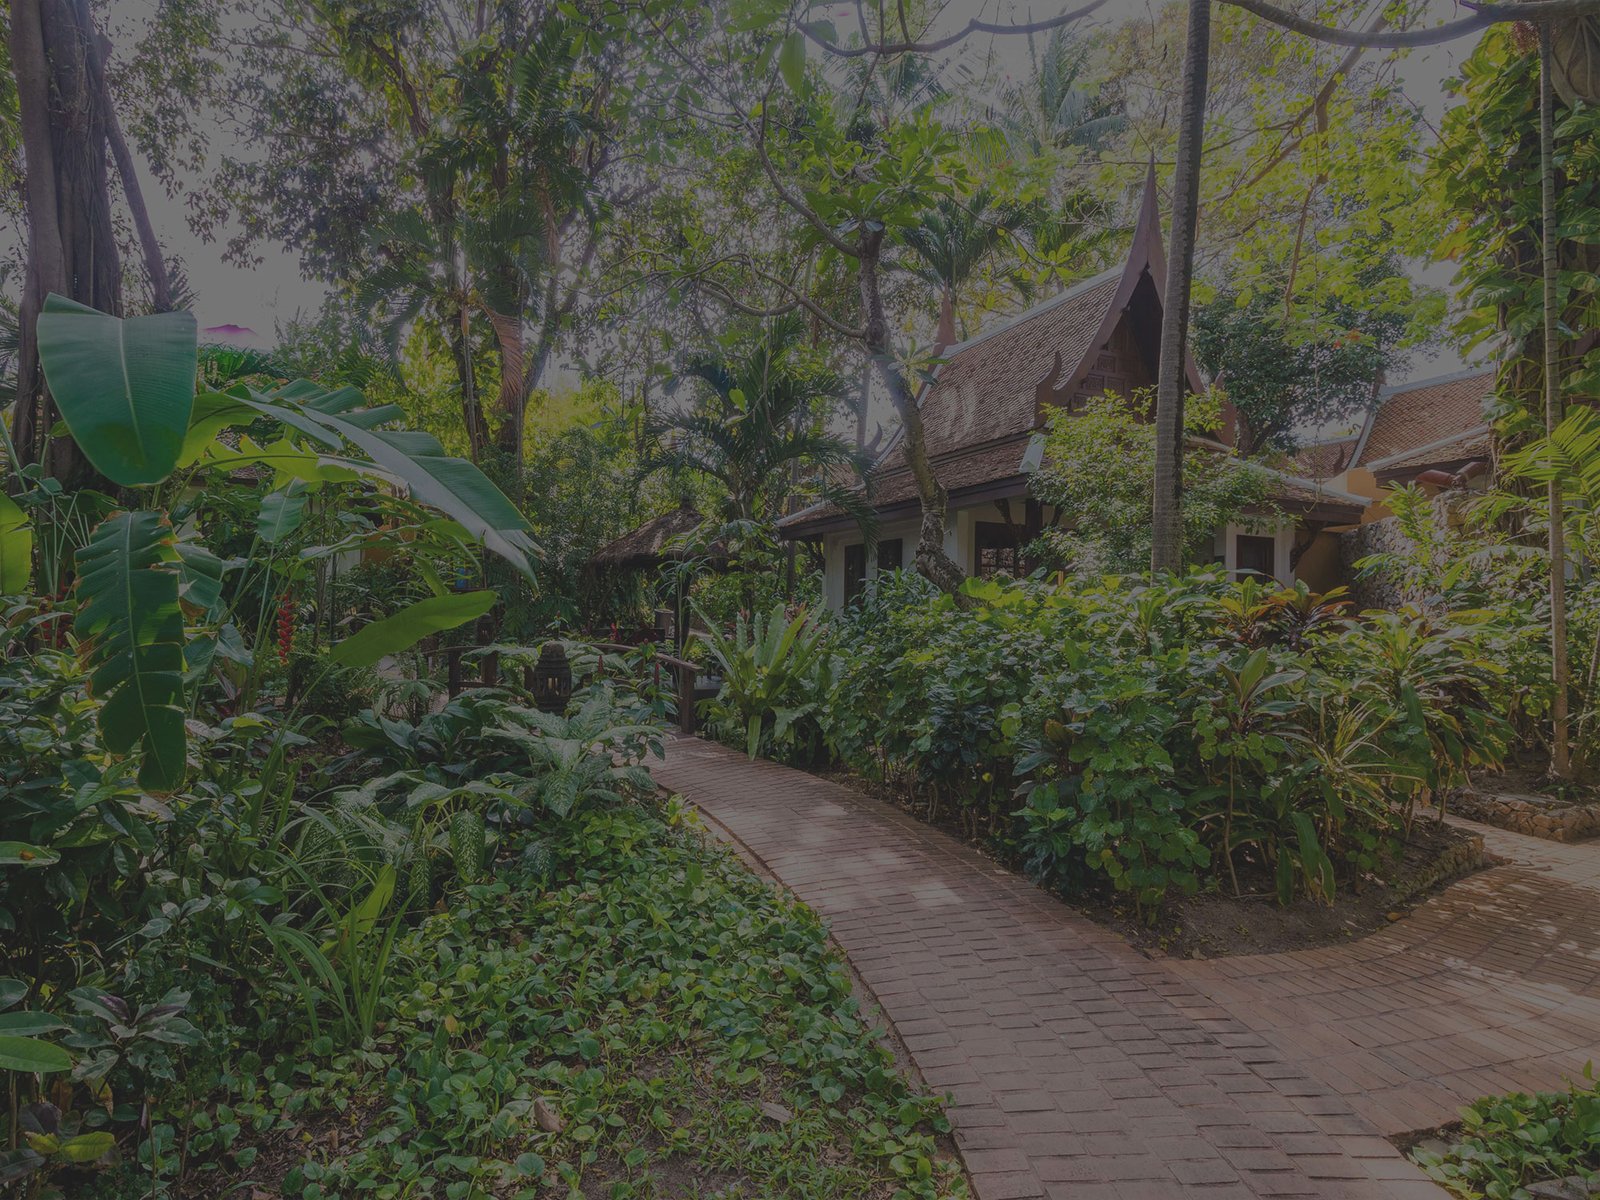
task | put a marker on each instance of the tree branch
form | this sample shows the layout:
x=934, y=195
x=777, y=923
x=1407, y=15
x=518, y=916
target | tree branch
x=155, y=263
x=796, y=300
x=1483, y=15
x=971, y=27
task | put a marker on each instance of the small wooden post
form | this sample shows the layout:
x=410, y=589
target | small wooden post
x=686, y=699
x=452, y=658
x=527, y=680
x=489, y=671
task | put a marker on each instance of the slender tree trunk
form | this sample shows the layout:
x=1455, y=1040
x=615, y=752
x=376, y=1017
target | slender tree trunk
x=512, y=411
x=1560, y=756
x=931, y=559
x=46, y=269
x=155, y=263
x=946, y=336
x=467, y=381
x=861, y=404
x=1166, y=543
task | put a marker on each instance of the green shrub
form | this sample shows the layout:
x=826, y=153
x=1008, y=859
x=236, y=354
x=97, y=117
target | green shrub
x=1507, y=1143
x=1165, y=736
x=776, y=676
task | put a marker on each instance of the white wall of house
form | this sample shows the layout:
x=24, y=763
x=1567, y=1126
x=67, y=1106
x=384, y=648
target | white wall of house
x=960, y=541
x=1282, y=535
x=833, y=552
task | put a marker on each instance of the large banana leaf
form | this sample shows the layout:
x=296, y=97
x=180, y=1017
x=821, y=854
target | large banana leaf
x=16, y=548
x=213, y=412
x=410, y=625
x=281, y=513
x=132, y=629
x=124, y=386
x=452, y=485
x=200, y=582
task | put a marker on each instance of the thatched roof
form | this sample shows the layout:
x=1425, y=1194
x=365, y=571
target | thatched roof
x=656, y=542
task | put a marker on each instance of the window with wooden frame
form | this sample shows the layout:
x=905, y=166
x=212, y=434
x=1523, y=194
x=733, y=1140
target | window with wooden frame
x=891, y=554
x=855, y=571
x=995, y=550
x=1255, y=555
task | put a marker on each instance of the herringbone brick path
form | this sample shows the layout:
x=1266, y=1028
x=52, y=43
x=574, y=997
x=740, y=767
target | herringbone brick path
x=1077, y=1067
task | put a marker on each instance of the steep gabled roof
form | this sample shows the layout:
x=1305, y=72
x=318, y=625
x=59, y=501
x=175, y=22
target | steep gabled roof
x=986, y=388
x=993, y=391
x=1324, y=460
x=1433, y=412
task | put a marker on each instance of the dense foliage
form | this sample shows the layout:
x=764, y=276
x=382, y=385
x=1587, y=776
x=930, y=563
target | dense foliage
x=1099, y=467
x=273, y=907
x=1285, y=373
x=1507, y=1144
x=1156, y=737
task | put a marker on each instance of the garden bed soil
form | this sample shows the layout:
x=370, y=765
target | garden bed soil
x=1216, y=924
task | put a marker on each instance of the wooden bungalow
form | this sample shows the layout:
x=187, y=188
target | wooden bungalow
x=657, y=543
x=984, y=411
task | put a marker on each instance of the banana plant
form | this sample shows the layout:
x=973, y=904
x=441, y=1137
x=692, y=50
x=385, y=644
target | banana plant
x=766, y=667
x=16, y=548
x=126, y=389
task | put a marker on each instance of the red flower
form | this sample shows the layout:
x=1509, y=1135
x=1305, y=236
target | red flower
x=285, y=626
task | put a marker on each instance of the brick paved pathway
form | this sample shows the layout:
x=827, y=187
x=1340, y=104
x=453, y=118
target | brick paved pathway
x=1491, y=986
x=1080, y=1069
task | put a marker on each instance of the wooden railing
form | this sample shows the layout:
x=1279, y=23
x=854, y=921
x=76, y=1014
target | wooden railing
x=684, y=674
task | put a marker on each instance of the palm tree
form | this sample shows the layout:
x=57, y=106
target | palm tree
x=953, y=239
x=1054, y=109
x=758, y=418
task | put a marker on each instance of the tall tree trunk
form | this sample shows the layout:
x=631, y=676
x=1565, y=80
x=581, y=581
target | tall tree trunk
x=1560, y=756
x=47, y=262
x=931, y=559
x=72, y=245
x=512, y=410
x=861, y=404
x=1166, y=542
x=472, y=418
x=155, y=263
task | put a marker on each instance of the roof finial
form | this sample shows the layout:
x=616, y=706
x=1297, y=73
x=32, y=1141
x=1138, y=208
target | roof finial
x=1147, y=249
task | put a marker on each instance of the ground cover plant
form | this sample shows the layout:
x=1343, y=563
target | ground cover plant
x=477, y=958
x=1507, y=1144
x=276, y=916
x=622, y=1010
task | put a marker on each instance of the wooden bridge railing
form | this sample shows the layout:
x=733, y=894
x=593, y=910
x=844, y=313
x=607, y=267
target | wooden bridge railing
x=684, y=674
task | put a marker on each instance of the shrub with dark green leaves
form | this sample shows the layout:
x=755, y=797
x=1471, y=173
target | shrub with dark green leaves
x=1162, y=736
